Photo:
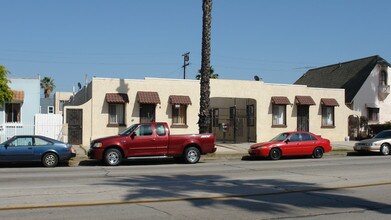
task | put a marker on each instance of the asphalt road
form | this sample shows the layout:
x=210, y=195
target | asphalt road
x=355, y=187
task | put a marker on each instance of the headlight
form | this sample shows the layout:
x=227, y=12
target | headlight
x=260, y=147
x=97, y=145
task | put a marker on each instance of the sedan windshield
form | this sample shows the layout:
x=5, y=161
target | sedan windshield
x=280, y=137
x=383, y=134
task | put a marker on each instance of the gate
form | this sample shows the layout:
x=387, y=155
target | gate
x=75, y=121
x=240, y=124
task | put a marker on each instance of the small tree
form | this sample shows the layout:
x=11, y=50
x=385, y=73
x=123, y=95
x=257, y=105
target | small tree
x=47, y=84
x=6, y=93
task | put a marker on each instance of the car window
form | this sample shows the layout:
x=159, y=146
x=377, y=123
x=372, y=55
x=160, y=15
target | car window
x=22, y=141
x=160, y=130
x=383, y=134
x=307, y=137
x=144, y=130
x=40, y=141
x=295, y=137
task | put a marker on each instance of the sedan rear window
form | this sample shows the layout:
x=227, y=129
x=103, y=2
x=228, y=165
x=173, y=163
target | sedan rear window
x=383, y=134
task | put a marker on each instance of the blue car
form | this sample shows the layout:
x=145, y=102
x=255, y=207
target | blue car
x=24, y=148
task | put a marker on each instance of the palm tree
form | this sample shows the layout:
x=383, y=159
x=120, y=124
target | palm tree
x=203, y=121
x=47, y=84
x=212, y=74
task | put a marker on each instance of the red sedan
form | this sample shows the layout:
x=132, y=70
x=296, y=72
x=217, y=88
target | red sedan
x=292, y=144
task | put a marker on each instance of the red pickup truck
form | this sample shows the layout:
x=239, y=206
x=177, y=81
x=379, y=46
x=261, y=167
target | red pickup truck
x=151, y=140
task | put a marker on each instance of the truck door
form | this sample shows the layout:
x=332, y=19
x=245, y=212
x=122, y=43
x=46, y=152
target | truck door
x=161, y=139
x=142, y=141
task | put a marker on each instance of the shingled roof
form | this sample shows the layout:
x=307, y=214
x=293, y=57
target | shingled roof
x=349, y=75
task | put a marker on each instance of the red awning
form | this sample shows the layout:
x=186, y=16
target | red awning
x=117, y=98
x=304, y=100
x=179, y=100
x=280, y=100
x=18, y=96
x=329, y=102
x=148, y=97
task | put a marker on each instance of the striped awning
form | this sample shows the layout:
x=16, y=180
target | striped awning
x=304, y=100
x=17, y=96
x=117, y=98
x=280, y=100
x=329, y=102
x=148, y=97
x=179, y=100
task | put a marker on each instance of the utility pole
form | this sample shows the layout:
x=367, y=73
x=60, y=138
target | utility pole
x=185, y=63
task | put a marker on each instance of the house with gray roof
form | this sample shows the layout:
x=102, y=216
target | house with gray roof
x=366, y=84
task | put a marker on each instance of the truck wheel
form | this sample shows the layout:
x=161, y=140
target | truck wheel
x=192, y=155
x=112, y=157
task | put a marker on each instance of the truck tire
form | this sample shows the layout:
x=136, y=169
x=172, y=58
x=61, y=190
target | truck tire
x=112, y=157
x=192, y=155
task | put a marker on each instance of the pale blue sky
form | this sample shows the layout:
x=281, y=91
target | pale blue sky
x=278, y=40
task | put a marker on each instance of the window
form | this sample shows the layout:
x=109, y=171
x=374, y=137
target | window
x=179, y=114
x=328, y=116
x=40, y=142
x=160, y=130
x=12, y=113
x=295, y=137
x=22, y=141
x=116, y=114
x=307, y=137
x=373, y=114
x=50, y=109
x=144, y=130
x=279, y=115
x=383, y=78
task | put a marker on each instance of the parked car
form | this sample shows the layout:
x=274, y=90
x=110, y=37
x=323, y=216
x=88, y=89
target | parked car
x=292, y=144
x=151, y=140
x=379, y=143
x=26, y=148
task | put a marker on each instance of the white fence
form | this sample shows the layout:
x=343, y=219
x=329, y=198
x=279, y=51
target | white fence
x=49, y=125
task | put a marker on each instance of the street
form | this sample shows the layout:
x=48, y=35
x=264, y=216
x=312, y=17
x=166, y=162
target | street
x=353, y=187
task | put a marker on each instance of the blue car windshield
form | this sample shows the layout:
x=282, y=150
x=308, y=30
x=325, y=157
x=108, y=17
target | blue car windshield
x=280, y=137
x=383, y=134
x=128, y=130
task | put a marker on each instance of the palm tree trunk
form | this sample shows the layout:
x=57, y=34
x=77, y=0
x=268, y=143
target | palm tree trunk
x=204, y=117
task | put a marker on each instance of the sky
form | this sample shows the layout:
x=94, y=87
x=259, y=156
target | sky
x=72, y=41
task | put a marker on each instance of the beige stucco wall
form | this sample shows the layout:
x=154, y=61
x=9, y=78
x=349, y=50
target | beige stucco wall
x=95, y=110
x=262, y=93
x=165, y=88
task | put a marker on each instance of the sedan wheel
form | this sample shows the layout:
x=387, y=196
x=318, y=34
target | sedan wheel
x=50, y=160
x=192, y=155
x=385, y=149
x=318, y=153
x=275, y=154
x=112, y=157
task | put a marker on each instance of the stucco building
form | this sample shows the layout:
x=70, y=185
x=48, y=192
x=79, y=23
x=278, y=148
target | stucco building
x=252, y=111
x=366, y=83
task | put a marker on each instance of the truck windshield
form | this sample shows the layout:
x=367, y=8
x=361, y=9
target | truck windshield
x=128, y=130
